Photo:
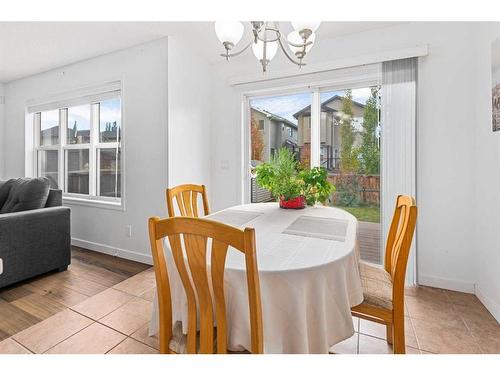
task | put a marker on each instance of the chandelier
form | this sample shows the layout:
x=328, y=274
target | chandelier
x=266, y=39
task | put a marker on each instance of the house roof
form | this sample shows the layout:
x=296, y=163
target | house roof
x=274, y=117
x=324, y=106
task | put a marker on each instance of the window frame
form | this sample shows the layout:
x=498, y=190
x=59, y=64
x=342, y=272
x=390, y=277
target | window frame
x=93, y=146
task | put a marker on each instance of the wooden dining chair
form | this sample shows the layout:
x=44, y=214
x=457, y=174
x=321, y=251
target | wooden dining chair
x=188, y=243
x=383, y=287
x=187, y=200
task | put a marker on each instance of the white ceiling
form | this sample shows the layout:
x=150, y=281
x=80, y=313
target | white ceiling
x=28, y=48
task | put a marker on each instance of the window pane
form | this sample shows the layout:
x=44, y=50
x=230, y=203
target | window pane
x=48, y=166
x=77, y=162
x=278, y=122
x=110, y=120
x=109, y=172
x=350, y=151
x=79, y=124
x=49, y=128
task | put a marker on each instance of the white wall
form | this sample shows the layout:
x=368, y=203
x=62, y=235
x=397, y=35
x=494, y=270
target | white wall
x=163, y=83
x=486, y=179
x=189, y=133
x=2, y=120
x=143, y=71
x=446, y=128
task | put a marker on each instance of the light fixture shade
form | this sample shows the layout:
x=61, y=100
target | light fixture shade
x=258, y=50
x=229, y=31
x=303, y=25
x=295, y=38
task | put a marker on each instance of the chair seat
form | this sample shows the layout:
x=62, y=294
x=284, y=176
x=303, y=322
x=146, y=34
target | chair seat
x=377, y=286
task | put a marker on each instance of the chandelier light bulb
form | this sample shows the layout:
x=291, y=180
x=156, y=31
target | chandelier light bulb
x=258, y=50
x=229, y=32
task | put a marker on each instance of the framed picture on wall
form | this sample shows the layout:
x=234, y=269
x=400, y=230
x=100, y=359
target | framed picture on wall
x=495, y=84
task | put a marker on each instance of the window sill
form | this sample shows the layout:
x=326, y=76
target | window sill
x=70, y=201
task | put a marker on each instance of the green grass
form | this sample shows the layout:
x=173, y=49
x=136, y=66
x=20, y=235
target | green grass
x=364, y=213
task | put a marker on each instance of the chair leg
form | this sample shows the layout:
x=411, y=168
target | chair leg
x=389, y=329
x=398, y=345
x=163, y=340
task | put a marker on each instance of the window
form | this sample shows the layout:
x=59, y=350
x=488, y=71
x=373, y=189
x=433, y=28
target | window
x=261, y=124
x=294, y=108
x=78, y=148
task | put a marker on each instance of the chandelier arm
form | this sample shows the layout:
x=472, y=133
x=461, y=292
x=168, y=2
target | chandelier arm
x=302, y=45
x=299, y=63
x=227, y=55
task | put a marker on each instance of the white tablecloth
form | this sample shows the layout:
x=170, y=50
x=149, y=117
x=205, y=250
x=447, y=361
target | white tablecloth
x=308, y=284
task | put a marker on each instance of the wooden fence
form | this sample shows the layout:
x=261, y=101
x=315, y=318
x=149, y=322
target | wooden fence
x=367, y=188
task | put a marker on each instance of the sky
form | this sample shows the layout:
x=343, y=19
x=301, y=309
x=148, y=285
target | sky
x=286, y=105
x=80, y=114
x=110, y=111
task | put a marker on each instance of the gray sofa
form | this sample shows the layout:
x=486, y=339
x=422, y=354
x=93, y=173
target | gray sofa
x=33, y=241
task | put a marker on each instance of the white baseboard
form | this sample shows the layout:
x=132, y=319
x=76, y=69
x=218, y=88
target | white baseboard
x=492, y=306
x=437, y=282
x=110, y=250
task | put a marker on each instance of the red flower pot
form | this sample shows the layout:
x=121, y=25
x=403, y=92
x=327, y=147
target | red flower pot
x=294, y=203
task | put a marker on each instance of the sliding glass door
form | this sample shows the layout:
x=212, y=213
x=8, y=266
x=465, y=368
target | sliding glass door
x=359, y=124
x=335, y=129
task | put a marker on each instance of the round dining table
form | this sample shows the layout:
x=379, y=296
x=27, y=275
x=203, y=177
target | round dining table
x=309, y=278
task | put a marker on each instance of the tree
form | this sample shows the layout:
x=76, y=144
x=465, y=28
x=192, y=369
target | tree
x=257, y=140
x=348, y=153
x=369, y=150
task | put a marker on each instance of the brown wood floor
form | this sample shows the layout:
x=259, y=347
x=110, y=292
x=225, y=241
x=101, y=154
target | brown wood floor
x=27, y=303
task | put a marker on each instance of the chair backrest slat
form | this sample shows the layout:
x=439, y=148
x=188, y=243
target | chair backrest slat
x=178, y=255
x=186, y=196
x=188, y=238
x=219, y=252
x=196, y=251
x=399, y=241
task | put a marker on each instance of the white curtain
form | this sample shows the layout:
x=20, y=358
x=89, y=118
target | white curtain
x=398, y=118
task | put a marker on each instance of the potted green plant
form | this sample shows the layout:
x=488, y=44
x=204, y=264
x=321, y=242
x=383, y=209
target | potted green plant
x=292, y=186
x=317, y=188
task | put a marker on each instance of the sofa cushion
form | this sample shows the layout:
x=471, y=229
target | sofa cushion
x=4, y=191
x=26, y=194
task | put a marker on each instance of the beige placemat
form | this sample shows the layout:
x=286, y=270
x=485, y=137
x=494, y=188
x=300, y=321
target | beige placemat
x=235, y=218
x=319, y=227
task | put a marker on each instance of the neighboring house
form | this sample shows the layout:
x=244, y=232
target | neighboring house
x=77, y=163
x=276, y=131
x=329, y=131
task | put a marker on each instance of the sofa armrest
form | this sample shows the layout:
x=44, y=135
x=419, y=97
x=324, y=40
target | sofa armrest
x=34, y=242
x=26, y=217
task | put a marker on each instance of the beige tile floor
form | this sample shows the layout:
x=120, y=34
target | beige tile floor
x=115, y=321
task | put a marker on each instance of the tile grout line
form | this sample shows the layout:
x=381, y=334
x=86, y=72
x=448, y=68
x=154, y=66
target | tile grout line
x=126, y=337
x=90, y=318
x=93, y=321
x=25, y=347
x=47, y=291
x=414, y=332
